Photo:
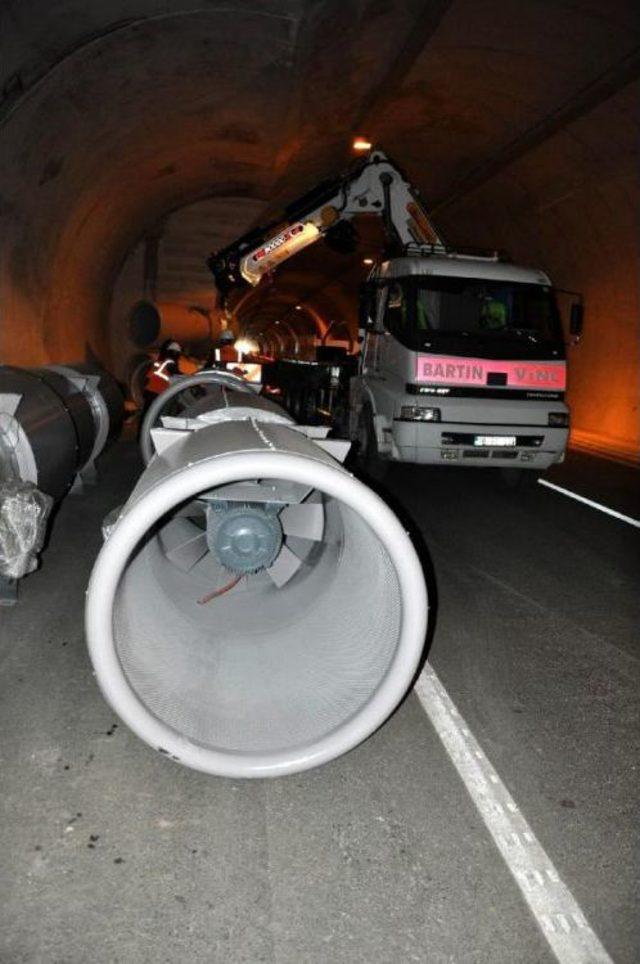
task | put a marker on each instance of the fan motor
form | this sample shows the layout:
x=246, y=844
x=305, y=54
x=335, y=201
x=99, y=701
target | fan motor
x=244, y=538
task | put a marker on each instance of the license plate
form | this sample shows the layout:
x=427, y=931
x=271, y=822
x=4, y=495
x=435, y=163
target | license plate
x=495, y=440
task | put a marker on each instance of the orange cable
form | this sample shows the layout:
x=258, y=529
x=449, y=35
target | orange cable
x=221, y=591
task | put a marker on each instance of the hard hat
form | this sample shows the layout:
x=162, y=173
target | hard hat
x=174, y=346
x=227, y=335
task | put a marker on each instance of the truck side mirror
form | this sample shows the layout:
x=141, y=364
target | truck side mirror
x=576, y=319
x=367, y=305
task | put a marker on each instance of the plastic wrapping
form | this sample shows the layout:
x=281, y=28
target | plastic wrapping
x=24, y=511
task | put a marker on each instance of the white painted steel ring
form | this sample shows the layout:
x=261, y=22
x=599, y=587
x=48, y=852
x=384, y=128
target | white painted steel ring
x=208, y=474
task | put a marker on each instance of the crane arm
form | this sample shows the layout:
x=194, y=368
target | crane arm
x=374, y=186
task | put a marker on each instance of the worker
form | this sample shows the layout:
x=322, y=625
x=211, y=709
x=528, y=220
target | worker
x=396, y=310
x=425, y=304
x=493, y=315
x=222, y=351
x=160, y=372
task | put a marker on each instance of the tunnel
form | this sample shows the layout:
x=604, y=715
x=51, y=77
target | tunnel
x=483, y=811
x=137, y=138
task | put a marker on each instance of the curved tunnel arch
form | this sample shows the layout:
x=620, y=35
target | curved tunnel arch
x=517, y=125
x=278, y=302
x=120, y=151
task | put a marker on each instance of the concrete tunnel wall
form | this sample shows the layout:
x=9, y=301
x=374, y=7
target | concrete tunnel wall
x=517, y=120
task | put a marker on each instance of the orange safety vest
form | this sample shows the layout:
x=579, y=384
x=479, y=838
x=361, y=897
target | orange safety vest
x=157, y=378
x=226, y=353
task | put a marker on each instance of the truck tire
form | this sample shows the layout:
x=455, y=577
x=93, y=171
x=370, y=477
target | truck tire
x=368, y=458
x=516, y=480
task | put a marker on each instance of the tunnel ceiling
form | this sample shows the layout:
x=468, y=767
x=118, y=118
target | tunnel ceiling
x=513, y=117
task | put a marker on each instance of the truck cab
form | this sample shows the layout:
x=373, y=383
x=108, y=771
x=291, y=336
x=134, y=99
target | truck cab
x=463, y=362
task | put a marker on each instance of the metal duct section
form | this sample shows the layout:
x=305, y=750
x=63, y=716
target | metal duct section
x=151, y=324
x=54, y=422
x=186, y=391
x=101, y=392
x=255, y=610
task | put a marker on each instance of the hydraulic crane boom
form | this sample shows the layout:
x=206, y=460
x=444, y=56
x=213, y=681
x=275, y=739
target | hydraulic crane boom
x=374, y=186
x=462, y=355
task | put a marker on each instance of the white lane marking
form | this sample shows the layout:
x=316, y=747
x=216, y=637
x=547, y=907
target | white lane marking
x=590, y=502
x=554, y=907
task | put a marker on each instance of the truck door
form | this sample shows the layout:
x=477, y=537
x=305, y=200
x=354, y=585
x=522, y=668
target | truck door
x=393, y=319
x=394, y=361
x=380, y=349
x=370, y=350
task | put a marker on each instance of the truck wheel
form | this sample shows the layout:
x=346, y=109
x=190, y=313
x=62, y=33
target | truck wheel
x=340, y=422
x=368, y=458
x=515, y=480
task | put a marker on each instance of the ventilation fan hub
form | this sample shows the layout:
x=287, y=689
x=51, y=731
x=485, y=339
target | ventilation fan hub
x=245, y=538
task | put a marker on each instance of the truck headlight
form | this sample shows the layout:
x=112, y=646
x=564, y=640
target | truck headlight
x=417, y=413
x=559, y=419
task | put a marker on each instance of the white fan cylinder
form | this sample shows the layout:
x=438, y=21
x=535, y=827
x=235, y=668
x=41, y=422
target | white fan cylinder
x=295, y=664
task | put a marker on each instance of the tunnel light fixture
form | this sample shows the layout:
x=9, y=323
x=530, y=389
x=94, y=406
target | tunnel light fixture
x=298, y=307
x=367, y=261
x=361, y=144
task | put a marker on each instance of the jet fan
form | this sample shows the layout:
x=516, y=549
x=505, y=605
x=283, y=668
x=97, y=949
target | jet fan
x=255, y=609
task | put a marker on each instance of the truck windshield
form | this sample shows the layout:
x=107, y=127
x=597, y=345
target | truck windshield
x=418, y=309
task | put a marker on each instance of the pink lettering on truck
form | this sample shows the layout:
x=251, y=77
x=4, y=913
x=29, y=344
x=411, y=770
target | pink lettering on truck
x=444, y=370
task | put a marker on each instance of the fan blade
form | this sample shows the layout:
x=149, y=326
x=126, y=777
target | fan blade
x=302, y=548
x=184, y=543
x=285, y=566
x=304, y=520
x=194, y=509
x=208, y=572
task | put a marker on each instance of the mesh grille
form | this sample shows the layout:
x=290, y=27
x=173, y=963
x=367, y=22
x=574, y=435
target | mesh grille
x=267, y=669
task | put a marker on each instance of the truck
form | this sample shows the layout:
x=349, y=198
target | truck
x=462, y=355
